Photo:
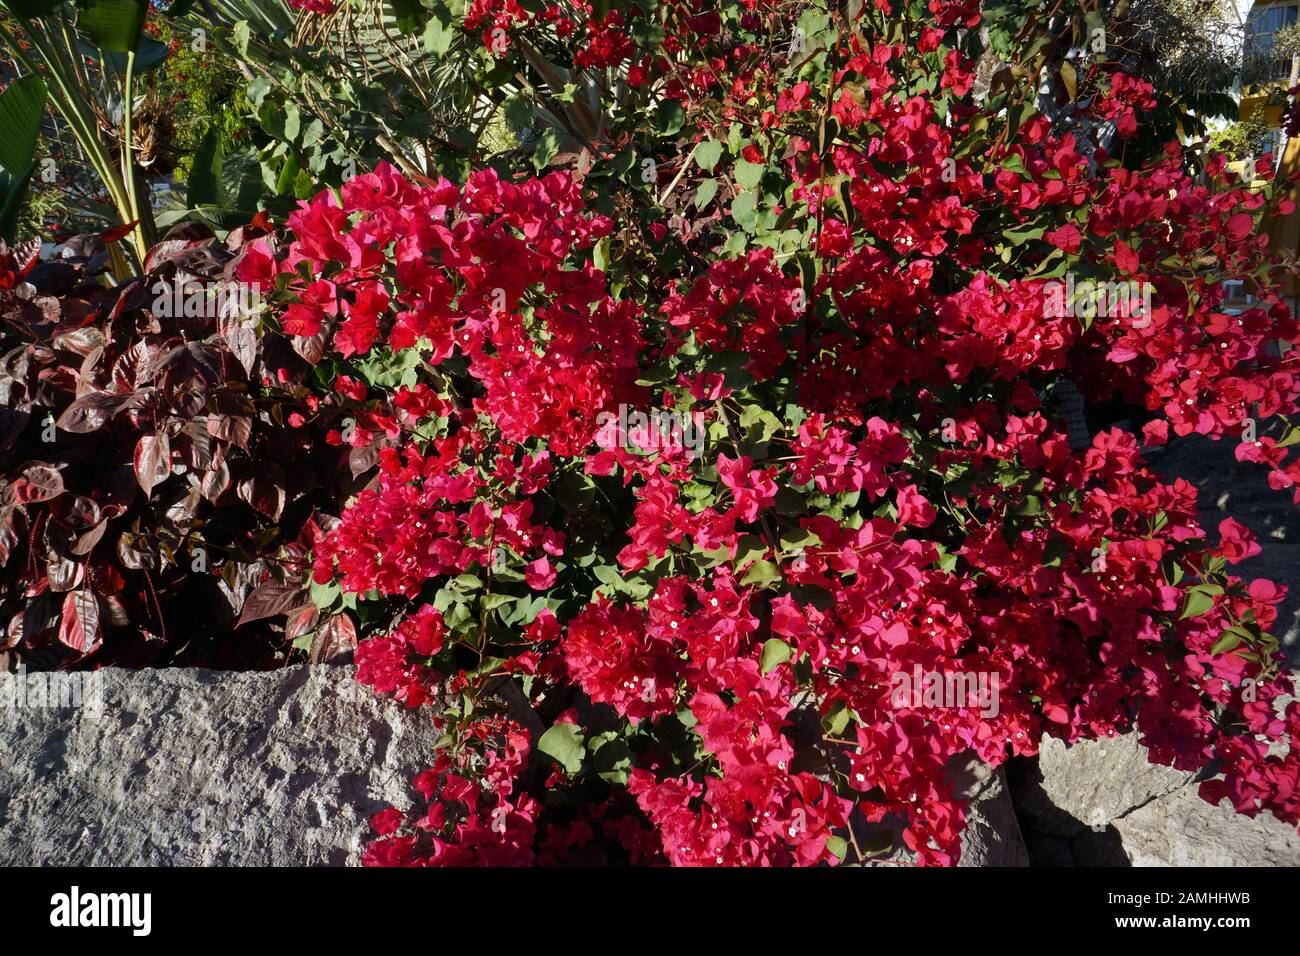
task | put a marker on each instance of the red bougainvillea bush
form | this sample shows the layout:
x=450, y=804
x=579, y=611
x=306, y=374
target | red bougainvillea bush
x=723, y=498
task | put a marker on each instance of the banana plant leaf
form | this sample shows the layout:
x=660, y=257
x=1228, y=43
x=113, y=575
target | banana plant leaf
x=114, y=25
x=22, y=107
x=12, y=191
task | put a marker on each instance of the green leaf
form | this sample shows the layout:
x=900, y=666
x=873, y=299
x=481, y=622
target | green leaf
x=600, y=254
x=761, y=574
x=292, y=121
x=494, y=601
x=1232, y=639
x=407, y=13
x=324, y=595
x=1199, y=600
x=611, y=759
x=12, y=193
x=1289, y=437
x=547, y=148
x=707, y=154
x=243, y=33
x=1022, y=234
x=775, y=653
x=438, y=36
x=837, y=846
x=1030, y=506
x=705, y=192
x=669, y=117
x=314, y=135
x=1014, y=163
x=384, y=368
x=798, y=539
x=564, y=742
x=22, y=106
x=744, y=210
x=834, y=723
x=203, y=187
x=748, y=174
x=1070, y=80
x=149, y=54
x=647, y=33
x=519, y=113
x=114, y=25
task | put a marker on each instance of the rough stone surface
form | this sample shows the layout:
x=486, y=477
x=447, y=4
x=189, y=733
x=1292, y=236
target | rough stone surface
x=1181, y=829
x=1090, y=784
x=992, y=836
x=194, y=767
x=1100, y=803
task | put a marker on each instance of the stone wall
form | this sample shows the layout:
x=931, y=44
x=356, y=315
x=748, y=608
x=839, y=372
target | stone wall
x=194, y=767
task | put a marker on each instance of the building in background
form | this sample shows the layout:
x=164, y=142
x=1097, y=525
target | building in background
x=1270, y=67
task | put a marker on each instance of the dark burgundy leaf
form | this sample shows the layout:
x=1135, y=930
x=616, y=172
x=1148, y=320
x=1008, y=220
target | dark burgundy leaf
x=118, y=233
x=79, y=626
x=36, y=618
x=85, y=245
x=335, y=641
x=83, y=341
x=188, y=232
x=7, y=536
x=164, y=251
x=362, y=459
x=264, y=493
x=152, y=460
x=64, y=573
x=134, y=368
x=76, y=512
x=38, y=482
x=91, y=412
x=206, y=261
x=181, y=509
x=12, y=423
x=269, y=600
x=14, y=632
x=300, y=621
x=215, y=481
x=86, y=541
x=312, y=348
x=235, y=429
x=27, y=254
x=134, y=552
x=242, y=340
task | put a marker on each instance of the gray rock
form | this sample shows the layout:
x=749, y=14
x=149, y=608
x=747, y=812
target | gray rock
x=1090, y=784
x=992, y=836
x=1181, y=829
x=1117, y=809
x=195, y=767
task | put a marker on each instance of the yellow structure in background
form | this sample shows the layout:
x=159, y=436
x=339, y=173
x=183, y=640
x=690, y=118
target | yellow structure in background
x=1284, y=231
x=1266, y=76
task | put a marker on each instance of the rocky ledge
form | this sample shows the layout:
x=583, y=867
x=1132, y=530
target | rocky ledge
x=193, y=767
